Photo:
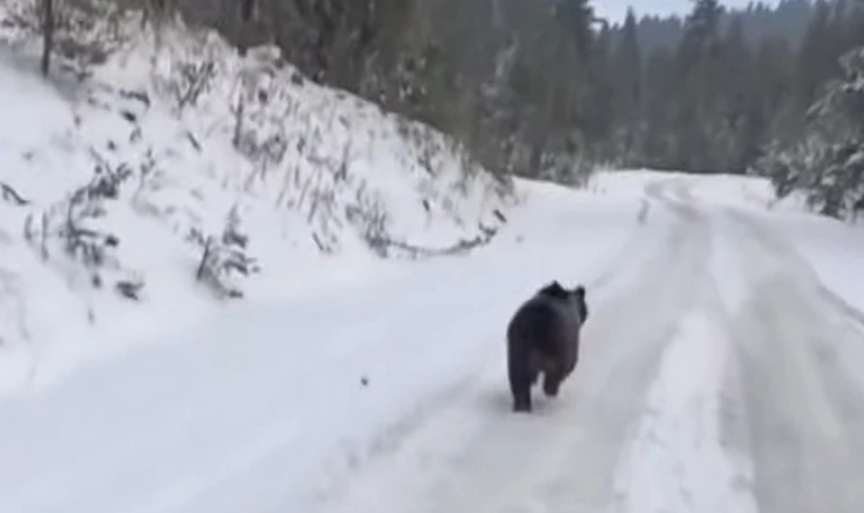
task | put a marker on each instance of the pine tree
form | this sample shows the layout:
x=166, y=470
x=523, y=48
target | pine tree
x=699, y=54
x=740, y=121
x=576, y=16
x=628, y=79
x=816, y=61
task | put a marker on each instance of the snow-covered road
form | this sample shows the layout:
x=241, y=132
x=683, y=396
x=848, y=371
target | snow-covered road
x=717, y=375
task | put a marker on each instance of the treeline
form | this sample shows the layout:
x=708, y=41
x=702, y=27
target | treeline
x=733, y=83
x=786, y=20
x=537, y=87
x=544, y=88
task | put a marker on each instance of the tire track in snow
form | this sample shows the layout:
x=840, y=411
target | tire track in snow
x=687, y=454
x=830, y=304
x=805, y=414
x=780, y=245
x=624, y=258
x=678, y=461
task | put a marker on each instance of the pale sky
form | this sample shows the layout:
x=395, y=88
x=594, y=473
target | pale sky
x=615, y=10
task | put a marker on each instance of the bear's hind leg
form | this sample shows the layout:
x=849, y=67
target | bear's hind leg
x=521, y=390
x=519, y=370
x=551, y=384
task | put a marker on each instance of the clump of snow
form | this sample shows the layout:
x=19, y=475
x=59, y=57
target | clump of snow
x=679, y=461
x=172, y=171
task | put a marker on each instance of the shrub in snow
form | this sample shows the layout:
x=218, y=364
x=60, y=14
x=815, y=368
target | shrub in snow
x=224, y=257
x=370, y=220
x=10, y=195
x=192, y=80
x=74, y=226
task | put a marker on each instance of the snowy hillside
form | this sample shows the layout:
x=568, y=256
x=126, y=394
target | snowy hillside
x=115, y=187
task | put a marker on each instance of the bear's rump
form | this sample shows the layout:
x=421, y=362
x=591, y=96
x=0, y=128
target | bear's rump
x=546, y=327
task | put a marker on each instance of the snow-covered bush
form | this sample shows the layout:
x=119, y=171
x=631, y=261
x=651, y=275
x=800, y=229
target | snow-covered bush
x=224, y=257
x=10, y=195
x=70, y=234
x=828, y=164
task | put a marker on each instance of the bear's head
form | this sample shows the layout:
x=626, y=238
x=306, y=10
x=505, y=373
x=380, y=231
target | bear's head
x=576, y=296
x=555, y=290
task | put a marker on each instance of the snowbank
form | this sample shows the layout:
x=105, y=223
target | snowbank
x=832, y=250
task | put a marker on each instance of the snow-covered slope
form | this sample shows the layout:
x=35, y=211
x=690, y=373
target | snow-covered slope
x=115, y=184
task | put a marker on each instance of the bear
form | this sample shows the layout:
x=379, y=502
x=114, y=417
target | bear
x=543, y=336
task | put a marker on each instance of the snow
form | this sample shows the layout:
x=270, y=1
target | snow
x=347, y=382
x=827, y=258
x=832, y=247
x=677, y=461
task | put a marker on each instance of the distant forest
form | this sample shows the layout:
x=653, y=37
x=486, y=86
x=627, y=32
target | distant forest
x=777, y=92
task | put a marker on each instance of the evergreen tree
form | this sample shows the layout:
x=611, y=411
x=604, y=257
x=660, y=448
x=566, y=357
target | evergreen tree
x=627, y=75
x=816, y=60
x=576, y=17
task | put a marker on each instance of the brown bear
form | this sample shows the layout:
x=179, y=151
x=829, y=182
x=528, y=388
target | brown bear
x=543, y=336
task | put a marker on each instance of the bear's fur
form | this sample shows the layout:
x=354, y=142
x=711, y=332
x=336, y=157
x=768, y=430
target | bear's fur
x=543, y=336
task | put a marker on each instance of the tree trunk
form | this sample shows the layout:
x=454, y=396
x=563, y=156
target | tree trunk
x=47, y=34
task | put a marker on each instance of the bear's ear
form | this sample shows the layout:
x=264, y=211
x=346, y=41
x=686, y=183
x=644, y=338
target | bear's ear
x=579, y=291
x=554, y=289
